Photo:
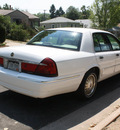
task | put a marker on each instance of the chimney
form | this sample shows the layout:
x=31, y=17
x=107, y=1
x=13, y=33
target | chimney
x=10, y=7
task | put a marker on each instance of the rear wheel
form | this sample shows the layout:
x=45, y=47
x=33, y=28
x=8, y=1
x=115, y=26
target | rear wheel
x=88, y=85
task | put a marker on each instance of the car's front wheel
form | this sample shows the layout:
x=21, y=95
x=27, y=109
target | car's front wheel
x=88, y=86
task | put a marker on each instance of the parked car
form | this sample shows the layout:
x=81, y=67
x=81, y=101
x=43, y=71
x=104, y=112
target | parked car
x=61, y=60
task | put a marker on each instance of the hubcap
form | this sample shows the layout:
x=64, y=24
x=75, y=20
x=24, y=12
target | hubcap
x=90, y=85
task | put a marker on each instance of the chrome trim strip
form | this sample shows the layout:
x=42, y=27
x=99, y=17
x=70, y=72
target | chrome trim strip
x=19, y=60
x=49, y=81
x=61, y=79
x=20, y=66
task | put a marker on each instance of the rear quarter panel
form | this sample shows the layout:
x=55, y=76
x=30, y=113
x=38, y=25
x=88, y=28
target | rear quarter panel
x=79, y=64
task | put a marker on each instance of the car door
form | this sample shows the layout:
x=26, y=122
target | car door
x=104, y=55
x=115, y=43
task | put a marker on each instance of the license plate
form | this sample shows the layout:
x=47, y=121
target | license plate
x=13, y=65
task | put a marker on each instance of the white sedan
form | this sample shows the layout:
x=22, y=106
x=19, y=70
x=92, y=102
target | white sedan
x=61, y=60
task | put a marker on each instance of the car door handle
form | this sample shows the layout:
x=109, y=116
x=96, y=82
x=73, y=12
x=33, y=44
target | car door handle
x=101, y=57
x=117, y=54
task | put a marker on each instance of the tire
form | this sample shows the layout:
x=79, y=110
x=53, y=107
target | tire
x=88, y=86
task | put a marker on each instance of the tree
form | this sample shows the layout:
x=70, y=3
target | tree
x=72, y=13
x=61, y=12
x=52, y=11
x=2, y=33
x=85, y=12
x=43, y=16
x=105, y=14
x=6, y=22
x=6, y=7
x=57, y=13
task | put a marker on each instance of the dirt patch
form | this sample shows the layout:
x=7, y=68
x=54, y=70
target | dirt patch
x=13, y=43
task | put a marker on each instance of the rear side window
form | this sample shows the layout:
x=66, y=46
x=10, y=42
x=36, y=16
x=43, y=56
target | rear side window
x=114, y=42
x=100, y=43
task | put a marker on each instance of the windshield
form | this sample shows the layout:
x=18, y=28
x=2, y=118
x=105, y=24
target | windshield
x=58, y=39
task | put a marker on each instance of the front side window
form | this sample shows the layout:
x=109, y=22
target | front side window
x=58, y=39
x=100, y=43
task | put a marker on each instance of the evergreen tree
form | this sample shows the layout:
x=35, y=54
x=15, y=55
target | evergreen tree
x=57, y=13
x=52, y=11
x=6, y=7
x=61, y=12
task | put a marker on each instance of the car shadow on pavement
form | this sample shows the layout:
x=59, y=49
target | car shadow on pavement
x=40, y=113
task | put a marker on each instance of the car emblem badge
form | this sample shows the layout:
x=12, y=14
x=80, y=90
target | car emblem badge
x=12, y=54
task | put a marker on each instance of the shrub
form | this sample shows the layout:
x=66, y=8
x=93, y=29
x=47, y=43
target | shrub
x=6, y=22
x=30, y=30
x=2, y=33
x=18, y=33
x=41, y=28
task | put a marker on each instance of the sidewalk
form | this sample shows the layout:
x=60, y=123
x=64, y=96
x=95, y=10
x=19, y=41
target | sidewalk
x=102, y=119
x=115, y=125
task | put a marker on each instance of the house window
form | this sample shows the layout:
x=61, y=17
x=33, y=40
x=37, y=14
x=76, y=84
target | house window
x=58, y=25
x=85, y=25
x=73, y=25
x=17, y=21
x=52, y=26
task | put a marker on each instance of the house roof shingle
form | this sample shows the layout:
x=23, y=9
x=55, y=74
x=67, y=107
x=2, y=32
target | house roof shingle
x=59, y=20
x=31, y=16
x=87, y=22
x=6, y=12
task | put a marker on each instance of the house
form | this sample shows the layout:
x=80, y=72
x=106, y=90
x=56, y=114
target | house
x=85, y=23
x=21, y=17
x=59, y=22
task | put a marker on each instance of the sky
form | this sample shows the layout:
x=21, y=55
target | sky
x=36, y=6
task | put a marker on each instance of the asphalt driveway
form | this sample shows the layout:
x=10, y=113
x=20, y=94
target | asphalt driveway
x=60, y=112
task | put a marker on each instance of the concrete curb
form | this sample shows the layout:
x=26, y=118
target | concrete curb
x=102, y=119
x=107, y=121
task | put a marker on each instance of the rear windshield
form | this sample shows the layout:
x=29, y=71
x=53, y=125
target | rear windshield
x=58, y=39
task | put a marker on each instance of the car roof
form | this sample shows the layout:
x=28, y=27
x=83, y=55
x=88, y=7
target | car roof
x=82, y=30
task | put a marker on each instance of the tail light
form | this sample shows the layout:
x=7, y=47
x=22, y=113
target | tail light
x=1, y=61
x=46, y=68
x=28, y=67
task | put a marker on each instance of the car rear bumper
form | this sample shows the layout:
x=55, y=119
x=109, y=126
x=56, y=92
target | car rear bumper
x=38, y=86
